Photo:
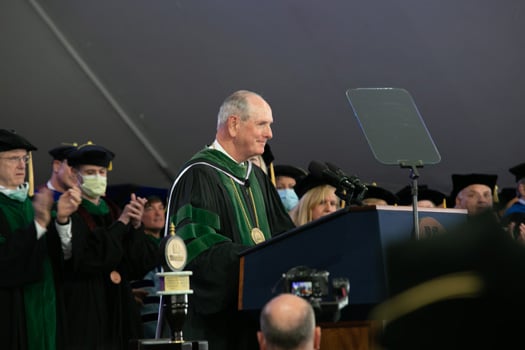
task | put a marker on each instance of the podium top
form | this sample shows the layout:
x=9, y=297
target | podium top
x=343, y=211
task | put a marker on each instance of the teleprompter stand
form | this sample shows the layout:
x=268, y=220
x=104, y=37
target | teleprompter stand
x=395, y=131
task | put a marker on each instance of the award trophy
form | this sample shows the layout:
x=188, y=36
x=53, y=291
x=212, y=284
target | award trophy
x=175, y=287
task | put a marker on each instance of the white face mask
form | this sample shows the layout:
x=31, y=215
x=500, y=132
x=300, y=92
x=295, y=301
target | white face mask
x=94, y=185
x=18, y=194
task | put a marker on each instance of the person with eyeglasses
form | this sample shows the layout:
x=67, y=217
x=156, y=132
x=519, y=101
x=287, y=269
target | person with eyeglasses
x=30, y=251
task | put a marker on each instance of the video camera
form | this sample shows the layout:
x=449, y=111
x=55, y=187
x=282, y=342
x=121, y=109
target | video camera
x=311, y=284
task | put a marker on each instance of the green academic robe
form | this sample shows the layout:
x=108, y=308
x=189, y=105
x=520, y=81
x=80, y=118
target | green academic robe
x=31, y=312
x=214, y=213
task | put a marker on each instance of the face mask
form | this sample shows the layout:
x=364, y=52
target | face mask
x=93, y=185
x=20, y=194
x=288, y=197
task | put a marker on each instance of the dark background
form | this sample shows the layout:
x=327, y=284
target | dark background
x=146, y=78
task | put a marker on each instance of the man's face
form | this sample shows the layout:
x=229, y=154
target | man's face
x=252, y=134
x=154, y=216
x=65, y=175
x=521, y=189
x=13, y=168
x=86, y=169
x=475, y=198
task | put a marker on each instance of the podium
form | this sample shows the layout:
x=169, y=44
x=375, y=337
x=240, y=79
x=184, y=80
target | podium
x=349, y=243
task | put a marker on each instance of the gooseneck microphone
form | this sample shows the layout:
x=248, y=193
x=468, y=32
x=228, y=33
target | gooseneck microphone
x=356, y=182
x=322, y=171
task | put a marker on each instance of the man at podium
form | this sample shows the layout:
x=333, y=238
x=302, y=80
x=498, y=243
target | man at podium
x=221, y=205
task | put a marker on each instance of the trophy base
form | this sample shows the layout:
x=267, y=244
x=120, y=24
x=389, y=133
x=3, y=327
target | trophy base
x=167, y=344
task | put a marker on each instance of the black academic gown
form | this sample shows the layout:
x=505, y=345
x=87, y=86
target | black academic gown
x=101, y=311
x=22, y=257
x=212, y=314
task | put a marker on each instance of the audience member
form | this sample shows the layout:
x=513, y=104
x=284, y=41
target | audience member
x=519, y=206
x=108, y=248
x=317, y=199
x=473, y=192
x=145, y=290
x=286, y=177
x=32, y=312
x=287, y=322
x=459, y=290
x=259, y=161
x=62, y=178
x=265, y=162
x=376, y=195
x=222, y=205
x=514, y=217
x=427, y=197
x=507, y=196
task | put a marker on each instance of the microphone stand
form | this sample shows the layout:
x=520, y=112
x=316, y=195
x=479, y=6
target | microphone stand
x=414, y=175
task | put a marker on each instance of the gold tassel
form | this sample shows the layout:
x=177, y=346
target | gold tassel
x=495, y=196
x=30, y=175
x=444, y=203
x=272, y=174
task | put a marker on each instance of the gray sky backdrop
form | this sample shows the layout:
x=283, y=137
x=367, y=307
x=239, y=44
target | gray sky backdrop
x=146, y=78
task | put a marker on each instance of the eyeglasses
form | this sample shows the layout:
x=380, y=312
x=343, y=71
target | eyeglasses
x=25, y=159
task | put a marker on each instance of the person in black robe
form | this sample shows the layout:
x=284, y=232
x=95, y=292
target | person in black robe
x=108, y=248
x=221, y=205
x=32, y=312
x=61, y=178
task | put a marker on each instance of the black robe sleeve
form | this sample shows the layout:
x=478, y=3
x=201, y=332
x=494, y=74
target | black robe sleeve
x=215, y=276
x=21, y=255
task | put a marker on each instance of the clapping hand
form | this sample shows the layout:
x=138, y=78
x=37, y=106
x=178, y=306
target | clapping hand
x=133, y=211
x=68, y=203
x=42, y=203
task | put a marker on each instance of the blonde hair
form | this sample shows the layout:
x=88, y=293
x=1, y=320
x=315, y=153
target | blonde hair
x=302, y=212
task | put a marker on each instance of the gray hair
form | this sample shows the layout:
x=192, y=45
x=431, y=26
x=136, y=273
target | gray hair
x=291, y=337
x=236, y=103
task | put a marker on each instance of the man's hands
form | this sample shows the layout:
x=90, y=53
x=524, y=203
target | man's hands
x=67, y=204
x=132, y=212
x=42, y=203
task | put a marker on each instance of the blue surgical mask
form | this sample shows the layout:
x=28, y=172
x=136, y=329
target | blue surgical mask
x=288, y=197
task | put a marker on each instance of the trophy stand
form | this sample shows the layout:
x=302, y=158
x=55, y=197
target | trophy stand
x=175, y=288
x=174, y=301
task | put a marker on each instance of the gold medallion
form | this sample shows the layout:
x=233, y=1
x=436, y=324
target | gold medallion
x=176, y=253
x=257, y=235
x=114, y=276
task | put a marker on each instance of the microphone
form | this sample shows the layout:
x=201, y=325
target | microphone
x=334, y=178
x=353, y=179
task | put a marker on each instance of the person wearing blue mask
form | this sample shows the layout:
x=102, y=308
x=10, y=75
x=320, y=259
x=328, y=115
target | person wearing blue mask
x=286, y=177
